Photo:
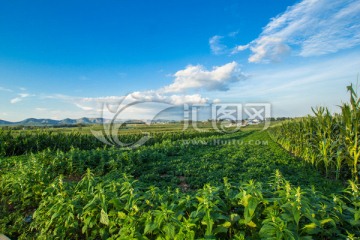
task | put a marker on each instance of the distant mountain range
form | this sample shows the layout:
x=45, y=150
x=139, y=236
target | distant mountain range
x=68, y=121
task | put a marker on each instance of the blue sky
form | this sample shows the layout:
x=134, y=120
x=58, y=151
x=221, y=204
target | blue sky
x=62, y=59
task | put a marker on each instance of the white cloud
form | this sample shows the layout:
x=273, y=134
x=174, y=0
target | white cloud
x=24, y=95
x=107, y=99
x=20, y=97
x=16, y=100
x=85, y=108
x=310, y=28
x=154, y=96
x=197, y=77
x=224, y=44
x=240, y=48
x=268, y=49
x=190, y=99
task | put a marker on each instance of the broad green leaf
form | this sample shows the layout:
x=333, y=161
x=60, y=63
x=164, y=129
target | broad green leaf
x=104, y=219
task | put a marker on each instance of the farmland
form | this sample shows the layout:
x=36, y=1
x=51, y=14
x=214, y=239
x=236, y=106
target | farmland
x=297, y=180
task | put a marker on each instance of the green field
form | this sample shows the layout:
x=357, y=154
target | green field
x=296, y=180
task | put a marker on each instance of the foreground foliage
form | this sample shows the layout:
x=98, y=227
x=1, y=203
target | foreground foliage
x=107, y=208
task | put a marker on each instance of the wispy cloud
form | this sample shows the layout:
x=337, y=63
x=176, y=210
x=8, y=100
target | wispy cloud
x=216, y=46
x=85, y=108
x=5, y=89
x=15, y=100
x=106, y=99
x=122, y=74
x=20, y=97
x=293, y=89
x=198, y=77
x=153, y=96
x=223, y=44
x=309, y=28
x=93, y=104
x=240, y=48
x=268, y=49
x=39, y=109
x=85, y=103
x=24, y=95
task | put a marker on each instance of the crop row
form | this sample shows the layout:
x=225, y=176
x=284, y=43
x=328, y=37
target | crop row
x=14, y=144
x=329, y=142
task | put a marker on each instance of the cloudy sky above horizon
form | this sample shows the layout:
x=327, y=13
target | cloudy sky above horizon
x=64, y=59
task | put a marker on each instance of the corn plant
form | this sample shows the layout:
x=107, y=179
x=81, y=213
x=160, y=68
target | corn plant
x=326, y=141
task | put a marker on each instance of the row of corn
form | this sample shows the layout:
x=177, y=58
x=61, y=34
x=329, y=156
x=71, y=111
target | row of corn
x=328, y=141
